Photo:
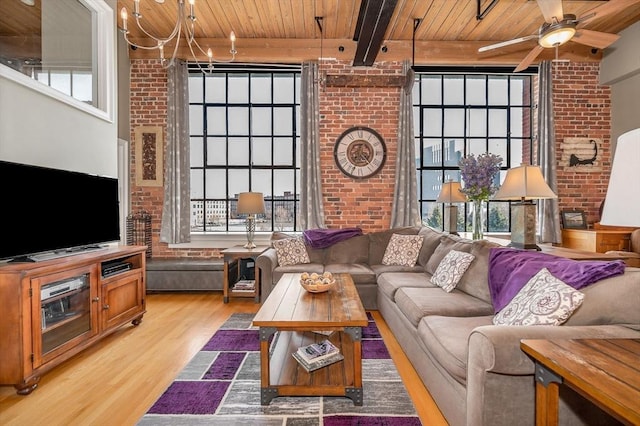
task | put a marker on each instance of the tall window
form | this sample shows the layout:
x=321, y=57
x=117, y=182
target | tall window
x=463, y=113
x=244, y=128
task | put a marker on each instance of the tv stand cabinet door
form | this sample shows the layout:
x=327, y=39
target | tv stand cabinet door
x=122, y=300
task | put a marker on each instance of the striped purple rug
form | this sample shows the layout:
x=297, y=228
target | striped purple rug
x=221, y=385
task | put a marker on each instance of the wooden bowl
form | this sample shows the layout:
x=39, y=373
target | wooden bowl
x=318, y=288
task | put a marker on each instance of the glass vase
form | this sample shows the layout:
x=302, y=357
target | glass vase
x=477, y=219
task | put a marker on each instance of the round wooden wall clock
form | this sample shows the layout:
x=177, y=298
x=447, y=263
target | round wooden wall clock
x=360, y=152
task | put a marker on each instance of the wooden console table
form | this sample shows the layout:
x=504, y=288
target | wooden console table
x=605, y=371
x=598, y=240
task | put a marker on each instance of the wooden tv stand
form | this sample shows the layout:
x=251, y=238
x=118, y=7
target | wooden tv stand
x=53, y=309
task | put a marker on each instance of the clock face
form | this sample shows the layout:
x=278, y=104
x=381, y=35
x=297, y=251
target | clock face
x=360, y=152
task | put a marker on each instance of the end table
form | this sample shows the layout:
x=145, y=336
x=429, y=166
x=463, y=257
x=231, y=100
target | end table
x=235, y=284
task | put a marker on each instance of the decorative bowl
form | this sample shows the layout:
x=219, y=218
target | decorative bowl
x=315, y=283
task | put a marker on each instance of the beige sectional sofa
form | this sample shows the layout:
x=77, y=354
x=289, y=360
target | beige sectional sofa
x=475, y=370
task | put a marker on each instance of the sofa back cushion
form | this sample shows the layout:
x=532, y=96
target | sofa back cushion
x=430, y=240
x=378, y=241
x=351, y=250
x=613, y=300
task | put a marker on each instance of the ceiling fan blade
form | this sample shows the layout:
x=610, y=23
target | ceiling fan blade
x=594, y=38
x=551, y=9
x=612, y=6
x=507, y=43
x=529, y=58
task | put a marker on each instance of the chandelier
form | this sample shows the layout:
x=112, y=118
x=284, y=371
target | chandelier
x=185, y=25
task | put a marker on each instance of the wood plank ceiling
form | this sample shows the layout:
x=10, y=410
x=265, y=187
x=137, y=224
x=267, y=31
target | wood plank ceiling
x=286, y=31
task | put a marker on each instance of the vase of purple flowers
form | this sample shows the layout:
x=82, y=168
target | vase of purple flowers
x=480, y=183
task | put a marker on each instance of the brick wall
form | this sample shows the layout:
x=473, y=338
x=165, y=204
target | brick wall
x=582, y=110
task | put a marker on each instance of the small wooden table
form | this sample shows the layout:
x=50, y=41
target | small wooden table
x=233, y=272
x=294, y=313
x=598, y=240
x=605, y=371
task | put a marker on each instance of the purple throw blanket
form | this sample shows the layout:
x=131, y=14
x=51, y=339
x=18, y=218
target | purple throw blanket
x=510, y=269
x=322, y=238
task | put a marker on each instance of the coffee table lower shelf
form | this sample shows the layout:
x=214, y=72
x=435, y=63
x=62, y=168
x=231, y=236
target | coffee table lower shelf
x=282, y=375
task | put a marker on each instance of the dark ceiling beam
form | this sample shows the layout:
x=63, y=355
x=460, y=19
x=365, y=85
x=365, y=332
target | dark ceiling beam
x=373, y=19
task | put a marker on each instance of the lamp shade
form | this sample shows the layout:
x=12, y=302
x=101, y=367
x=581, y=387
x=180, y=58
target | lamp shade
x=250, y=203
x=622, y=204
x=524, y=183
x=450, y=193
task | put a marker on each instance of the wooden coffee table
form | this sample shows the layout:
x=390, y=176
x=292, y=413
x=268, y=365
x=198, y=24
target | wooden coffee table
x=294, y=314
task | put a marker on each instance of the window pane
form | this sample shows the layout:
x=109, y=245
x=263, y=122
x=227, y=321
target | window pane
x=216, y=121
x=238, y=121
x=431, y=90
x=238, y=182
x=238, y=88
x=283, y=91
x=282, y=151
x=498, y=90
x=83, y=86
x=239, y=151
x=260, y=121
x=195, y=120
x=453, y=90
x=431, y=184
x=432, y=122
x=261, y=182
x=283, y=182
x=215, y=89
x=283, y=124
x=499, y=147
x=517, y=153
x=477, y=146
x=261, y=151
x=431, y=152
x=498, y=122
x=498, y=217
x=432, y=215
x=476, y=90
x=197, y=183
x=195, y=89
x=477, y=125
x=520, y=122
x=260, y=88
x=453, y=122
x=216, y=151
x=61, y=81
x=196, y=152
x=216, y=182
x=453, y=149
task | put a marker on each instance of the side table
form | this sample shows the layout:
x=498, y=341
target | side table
x=235, y=284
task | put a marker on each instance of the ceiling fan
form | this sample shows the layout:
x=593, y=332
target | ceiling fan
x=559, y=28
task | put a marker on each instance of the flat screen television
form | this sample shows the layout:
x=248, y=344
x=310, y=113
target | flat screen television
x=48, y=211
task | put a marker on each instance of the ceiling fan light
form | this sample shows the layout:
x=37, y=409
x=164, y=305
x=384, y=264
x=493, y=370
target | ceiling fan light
x=557, y=35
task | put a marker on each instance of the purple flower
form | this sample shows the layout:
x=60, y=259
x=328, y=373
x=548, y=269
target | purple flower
x=478, y=175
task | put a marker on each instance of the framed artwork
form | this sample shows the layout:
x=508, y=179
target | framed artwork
x=149, y=155
x=574, y=219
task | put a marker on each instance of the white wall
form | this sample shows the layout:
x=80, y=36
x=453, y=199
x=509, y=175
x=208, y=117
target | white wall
x=41, y=130
x=620, y=69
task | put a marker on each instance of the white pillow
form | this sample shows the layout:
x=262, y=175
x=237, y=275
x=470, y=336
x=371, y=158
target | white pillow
x=402, y=250
x=544, y=300
x=451, y=268
x=291, y=251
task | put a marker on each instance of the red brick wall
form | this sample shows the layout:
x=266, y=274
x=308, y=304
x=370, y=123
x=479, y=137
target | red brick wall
x=582, y=110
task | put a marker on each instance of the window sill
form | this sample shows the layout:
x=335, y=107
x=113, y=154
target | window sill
x=224, y=240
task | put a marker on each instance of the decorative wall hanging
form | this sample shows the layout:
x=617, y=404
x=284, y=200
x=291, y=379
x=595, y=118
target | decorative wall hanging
x=582, y=154
x=149, y=155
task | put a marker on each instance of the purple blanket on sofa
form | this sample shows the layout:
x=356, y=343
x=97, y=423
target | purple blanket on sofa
x=322, y=238
x=510, y=269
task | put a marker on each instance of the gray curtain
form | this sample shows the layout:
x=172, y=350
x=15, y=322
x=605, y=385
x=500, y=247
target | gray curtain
x=311, y=209
x=176, y=208
x=404, y=211
x=548, y=210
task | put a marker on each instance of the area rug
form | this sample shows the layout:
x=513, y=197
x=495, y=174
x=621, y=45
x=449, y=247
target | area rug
x=221, y=386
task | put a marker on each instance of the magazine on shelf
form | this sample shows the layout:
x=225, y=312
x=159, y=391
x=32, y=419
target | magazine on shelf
x=244, y=285
x=312, y=366
x=317, y=351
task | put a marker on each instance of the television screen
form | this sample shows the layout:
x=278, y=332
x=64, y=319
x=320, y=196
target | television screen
x=51, y=210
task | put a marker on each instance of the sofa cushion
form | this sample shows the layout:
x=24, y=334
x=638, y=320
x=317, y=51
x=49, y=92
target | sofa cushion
x=378, y=241
x=291, y=251
x=451, y=269
x=448, y=341
x=447, y=243
x=352, y=250
x=318, y=268
x=544, y=300
x=361, y=273
x=416, y=303
x=315, y=255
x=402, y=250
x=431, y=240
x=389, y=282
x=476, y=280
x=614, y=300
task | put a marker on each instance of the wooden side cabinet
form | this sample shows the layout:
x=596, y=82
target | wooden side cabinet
x=54, y=309
x=596, y=240
x=234, y=275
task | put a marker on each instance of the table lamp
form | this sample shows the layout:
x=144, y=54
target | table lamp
x=250, y=203
x=524, y=183
x=450, y=193
x=622, y=205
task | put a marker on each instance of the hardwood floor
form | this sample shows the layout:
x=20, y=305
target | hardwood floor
x=117, y=380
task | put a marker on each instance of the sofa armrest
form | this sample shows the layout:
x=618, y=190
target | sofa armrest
x=266, y=262
x=496, y=348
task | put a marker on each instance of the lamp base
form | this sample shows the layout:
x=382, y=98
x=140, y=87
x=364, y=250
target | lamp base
x=523, y=226
x=250, y=245
x=451, y=219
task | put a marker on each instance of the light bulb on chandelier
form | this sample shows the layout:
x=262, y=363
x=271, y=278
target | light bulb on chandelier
x=185, y=25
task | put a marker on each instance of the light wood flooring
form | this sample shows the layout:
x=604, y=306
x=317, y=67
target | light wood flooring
x=116, y=381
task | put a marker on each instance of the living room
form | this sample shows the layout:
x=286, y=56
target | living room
x=593, y=99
